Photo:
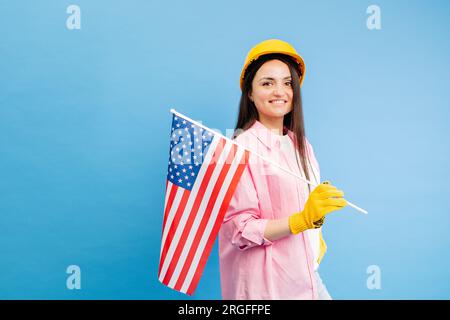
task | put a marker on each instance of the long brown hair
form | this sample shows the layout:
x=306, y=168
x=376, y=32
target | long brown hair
x=293, y=121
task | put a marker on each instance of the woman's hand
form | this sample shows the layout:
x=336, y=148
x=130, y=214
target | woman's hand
x=325, y=198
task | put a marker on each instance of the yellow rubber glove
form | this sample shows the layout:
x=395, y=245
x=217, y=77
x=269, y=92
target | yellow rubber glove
x=323, y=248
x=324, y=199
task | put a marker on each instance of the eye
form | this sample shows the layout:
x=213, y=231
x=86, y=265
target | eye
x=266, y=83
x=289, y=83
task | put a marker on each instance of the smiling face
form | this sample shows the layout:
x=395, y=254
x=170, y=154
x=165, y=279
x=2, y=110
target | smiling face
x=272, y=91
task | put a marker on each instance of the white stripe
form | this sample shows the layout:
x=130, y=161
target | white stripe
x=316, y=174
x=188, y=207
x=313, y=235
x=169, y=188
x=212, y=220
x=198, y=219
x=171, y=215
x=314, y=171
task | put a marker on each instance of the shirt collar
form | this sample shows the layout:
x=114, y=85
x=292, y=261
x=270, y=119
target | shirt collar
x=266, y=136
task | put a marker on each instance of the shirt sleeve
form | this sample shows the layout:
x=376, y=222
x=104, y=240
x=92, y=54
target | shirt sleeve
x=242, y=224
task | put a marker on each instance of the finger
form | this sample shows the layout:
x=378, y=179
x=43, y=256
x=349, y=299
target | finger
x=331, y=194
x=340, y=203
x=330, y=209
x=324, y=187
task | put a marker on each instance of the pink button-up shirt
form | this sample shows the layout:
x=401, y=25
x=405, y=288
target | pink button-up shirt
x=251, y=266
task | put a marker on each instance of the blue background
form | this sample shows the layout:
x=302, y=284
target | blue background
x=85, y=125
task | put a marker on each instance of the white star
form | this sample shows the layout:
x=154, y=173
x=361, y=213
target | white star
x=188, y=184
x=184, y=170
x=175, y=166
x=177, y=173
x=171, y=177
x=186, y=177
x=192, y=174
x=180, y=180
x=184, y=121
x=190, y=167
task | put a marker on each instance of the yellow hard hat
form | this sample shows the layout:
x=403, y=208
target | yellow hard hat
x=273, y=46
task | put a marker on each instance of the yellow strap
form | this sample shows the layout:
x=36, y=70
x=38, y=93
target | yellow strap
x=323, y=247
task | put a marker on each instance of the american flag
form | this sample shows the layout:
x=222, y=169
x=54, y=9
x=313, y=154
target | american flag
x=204, y=170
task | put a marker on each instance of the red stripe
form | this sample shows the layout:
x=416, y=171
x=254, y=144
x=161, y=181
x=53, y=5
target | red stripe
x=173, y=226
x=218, y=223
x=193, y=213
x=172, y=194
x=206, y=217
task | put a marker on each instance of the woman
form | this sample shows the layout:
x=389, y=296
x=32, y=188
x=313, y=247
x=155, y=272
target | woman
x=270, y=243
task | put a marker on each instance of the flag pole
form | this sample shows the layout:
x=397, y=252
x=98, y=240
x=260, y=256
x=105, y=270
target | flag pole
x=258, y=155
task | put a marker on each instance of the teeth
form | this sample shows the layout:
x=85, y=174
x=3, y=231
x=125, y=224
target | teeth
x=277, y=101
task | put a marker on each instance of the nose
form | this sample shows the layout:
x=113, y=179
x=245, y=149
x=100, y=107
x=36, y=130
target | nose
x=278, y=90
